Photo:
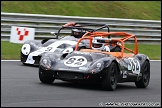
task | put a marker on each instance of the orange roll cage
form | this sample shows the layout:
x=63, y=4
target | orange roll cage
x=125, y=36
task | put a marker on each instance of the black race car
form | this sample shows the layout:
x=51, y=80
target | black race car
x=107, y=68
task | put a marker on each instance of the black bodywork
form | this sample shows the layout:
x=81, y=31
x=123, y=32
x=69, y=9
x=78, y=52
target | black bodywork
x=91, y=71
x=107, y=68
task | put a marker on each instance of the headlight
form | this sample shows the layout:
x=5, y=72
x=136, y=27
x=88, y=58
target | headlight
x=97, y=67
x=46, y=62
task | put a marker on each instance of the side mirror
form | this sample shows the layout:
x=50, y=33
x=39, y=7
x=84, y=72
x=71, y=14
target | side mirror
x=53, y=33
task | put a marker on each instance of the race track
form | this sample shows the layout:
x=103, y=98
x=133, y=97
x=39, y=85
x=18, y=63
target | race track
x=20, y=87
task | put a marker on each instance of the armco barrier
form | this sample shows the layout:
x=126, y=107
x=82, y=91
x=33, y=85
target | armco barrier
x=147, y=31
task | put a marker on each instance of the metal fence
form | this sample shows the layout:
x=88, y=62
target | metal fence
x=147, y=31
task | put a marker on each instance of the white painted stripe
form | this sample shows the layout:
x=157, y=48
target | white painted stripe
x=19, y=60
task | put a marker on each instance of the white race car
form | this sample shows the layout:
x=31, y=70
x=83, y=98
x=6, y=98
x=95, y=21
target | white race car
x=32, y=50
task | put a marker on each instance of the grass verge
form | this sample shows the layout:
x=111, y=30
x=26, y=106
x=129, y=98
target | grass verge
x=147, y=10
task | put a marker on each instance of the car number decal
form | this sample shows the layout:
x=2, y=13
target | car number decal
x=75, y=61
x=25, y=49
x=48, y=49
x=134, y=65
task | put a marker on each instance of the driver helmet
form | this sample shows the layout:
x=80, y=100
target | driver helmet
x=98, y=45
x=77, y=33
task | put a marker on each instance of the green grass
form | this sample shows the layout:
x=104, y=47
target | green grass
x=12, y=50
x=147, y=10
x=153, y=51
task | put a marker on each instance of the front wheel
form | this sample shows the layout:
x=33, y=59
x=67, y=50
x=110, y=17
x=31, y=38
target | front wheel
x=110, y=82
x=144, y=81
x=44, y=77
x=27, y=64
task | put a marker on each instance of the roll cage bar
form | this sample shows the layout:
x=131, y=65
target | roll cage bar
x=84, y=28
x=125, y=35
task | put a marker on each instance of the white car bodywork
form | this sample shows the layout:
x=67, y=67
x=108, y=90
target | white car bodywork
x=50, y=48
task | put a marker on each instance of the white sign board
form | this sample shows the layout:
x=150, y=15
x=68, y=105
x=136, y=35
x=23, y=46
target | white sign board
x=21, y=34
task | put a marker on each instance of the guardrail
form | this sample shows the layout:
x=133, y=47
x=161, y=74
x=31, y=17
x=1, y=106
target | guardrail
x=147, y=31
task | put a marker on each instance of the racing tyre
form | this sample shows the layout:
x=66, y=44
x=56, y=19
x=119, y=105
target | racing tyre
x=110, y=82
x=144, y=81
x=45, y=78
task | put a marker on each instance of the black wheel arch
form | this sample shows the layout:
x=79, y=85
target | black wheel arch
x=144, y=64
x=117, y=65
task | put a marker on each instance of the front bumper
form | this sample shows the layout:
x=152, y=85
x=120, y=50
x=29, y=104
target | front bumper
x=35, y=58
x=73, y=75
x=23, y=58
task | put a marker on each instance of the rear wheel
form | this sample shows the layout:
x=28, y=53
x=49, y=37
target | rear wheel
x=44, y=77
x=110, y=82
x=144, y=81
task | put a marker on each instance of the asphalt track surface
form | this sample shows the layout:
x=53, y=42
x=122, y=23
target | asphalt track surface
x=20, y=87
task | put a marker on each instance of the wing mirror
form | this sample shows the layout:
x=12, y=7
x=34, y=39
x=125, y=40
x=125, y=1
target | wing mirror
x=53, y=33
